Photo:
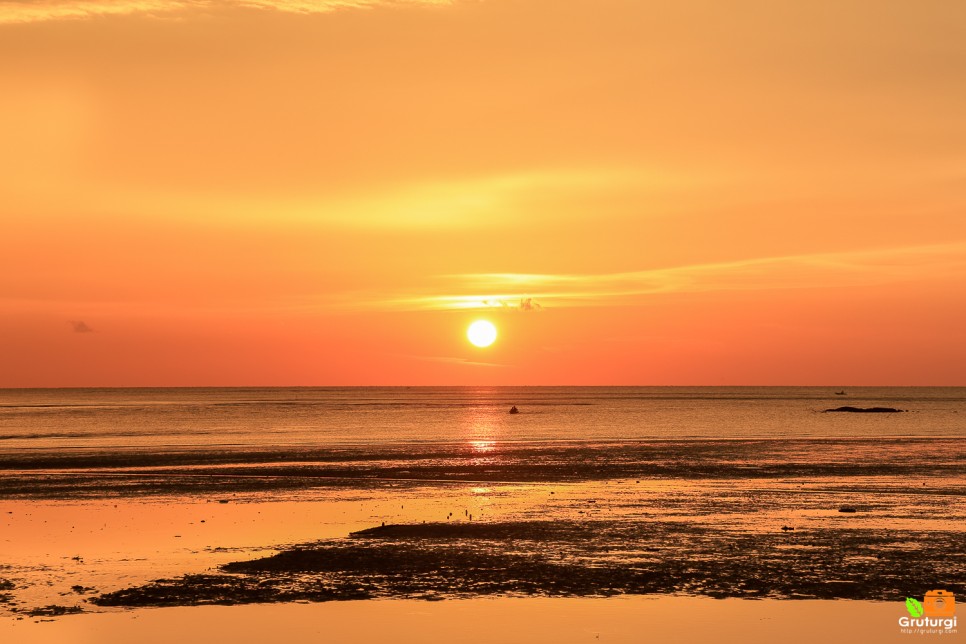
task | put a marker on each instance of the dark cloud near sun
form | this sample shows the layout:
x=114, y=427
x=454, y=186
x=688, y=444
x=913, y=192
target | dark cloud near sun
x=524, y=304
x=80, y=326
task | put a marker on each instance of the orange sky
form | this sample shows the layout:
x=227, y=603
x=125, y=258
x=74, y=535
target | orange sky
x=327, y=192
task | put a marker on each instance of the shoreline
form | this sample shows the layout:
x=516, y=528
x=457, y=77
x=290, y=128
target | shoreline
x=750, y=528
x=484, y=621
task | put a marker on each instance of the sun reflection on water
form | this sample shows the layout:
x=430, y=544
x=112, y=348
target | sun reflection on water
x=483, y=447
x=483, y=429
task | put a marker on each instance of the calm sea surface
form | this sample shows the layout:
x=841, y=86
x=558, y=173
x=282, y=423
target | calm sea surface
x=145, y=419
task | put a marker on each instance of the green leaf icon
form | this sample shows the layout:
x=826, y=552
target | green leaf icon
x=914, y=607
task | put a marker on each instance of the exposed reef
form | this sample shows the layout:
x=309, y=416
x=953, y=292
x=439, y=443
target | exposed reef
x=592, y=558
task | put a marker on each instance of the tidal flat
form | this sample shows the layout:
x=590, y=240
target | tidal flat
x=569, y=558
x=797, y=519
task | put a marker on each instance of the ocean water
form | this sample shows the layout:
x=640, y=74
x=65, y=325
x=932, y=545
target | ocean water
x=229, y=418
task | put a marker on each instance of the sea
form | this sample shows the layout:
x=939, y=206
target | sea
x=144, y=419
x=749, y=491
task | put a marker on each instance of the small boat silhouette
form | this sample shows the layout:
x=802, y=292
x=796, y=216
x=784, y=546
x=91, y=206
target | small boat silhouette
x=514, y=410
x=839, y=393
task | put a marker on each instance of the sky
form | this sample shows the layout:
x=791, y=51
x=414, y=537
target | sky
x=328, y=192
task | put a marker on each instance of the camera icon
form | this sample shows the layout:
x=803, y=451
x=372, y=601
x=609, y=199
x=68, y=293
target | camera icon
x=939, y=603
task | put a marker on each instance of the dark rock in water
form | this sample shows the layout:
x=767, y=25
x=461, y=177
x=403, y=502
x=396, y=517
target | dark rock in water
x=847, y=508
x=867, y=410
x=53, y=610
x=514, y=410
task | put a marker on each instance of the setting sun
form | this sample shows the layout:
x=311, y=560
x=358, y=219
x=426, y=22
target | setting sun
x=481, y=333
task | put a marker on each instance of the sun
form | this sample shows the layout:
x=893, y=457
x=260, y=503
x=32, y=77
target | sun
x=481, y=333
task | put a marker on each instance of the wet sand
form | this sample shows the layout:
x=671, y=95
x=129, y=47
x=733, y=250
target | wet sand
x=484, y=621
x=571, y=558
x=726, y=519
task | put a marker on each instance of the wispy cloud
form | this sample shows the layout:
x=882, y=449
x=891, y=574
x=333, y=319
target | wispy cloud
x=324, y=6
x=42, y=10
x=849, y=269
x=458, y=361
x=473, y=201
x=26, y=11
x=445, y=204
